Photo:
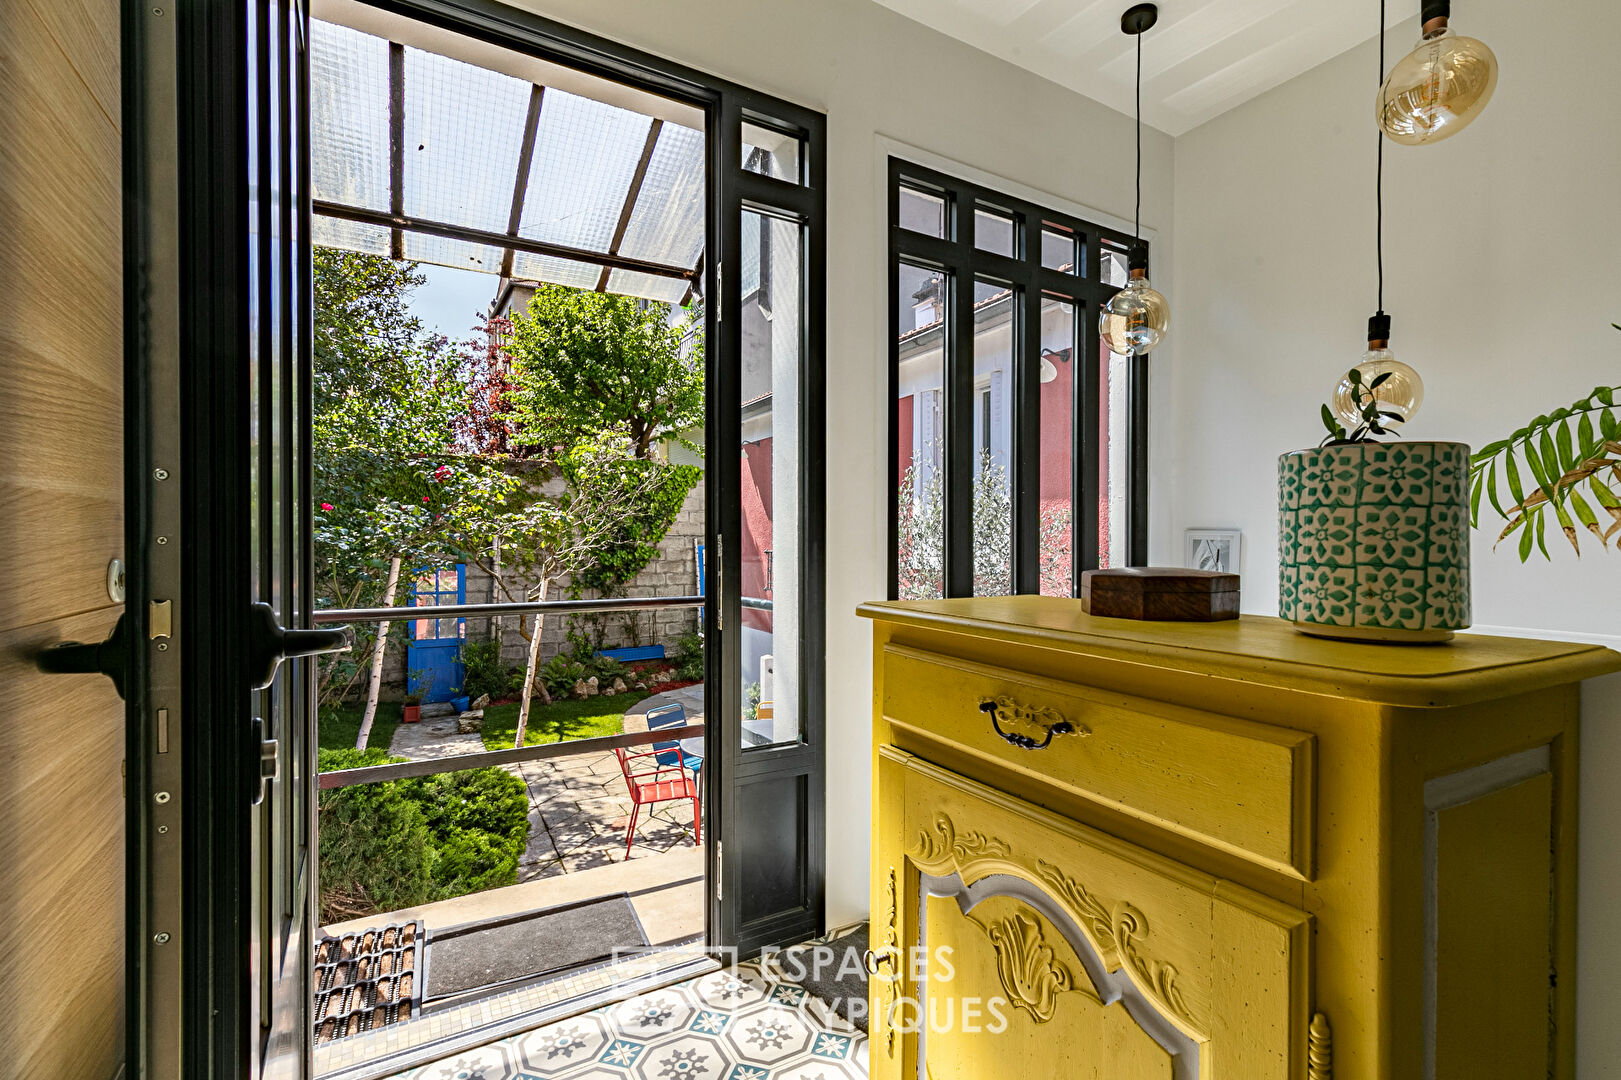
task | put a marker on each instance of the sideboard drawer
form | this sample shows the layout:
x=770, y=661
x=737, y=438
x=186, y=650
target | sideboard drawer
x=1237, y=785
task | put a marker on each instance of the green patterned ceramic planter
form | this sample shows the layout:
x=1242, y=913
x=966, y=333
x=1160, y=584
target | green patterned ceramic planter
x=1373, y=540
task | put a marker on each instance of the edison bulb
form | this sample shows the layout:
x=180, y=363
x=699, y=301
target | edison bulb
x=1136, y=318
x=1437, y=89
x=1402, y=393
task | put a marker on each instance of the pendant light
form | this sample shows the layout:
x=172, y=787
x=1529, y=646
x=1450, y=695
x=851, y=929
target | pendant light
x=1136, y=318
x=1401, y=391
x=1438, y=88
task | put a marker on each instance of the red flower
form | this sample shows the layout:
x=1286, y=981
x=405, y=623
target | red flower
x=441, y=472
x=326, y=506
x=424, y=498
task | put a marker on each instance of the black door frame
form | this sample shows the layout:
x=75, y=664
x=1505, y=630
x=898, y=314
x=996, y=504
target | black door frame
x=186, y=189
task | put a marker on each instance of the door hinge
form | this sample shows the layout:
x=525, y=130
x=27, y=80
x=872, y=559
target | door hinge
x=720, y=291
x=720, y=583
x=720, y=870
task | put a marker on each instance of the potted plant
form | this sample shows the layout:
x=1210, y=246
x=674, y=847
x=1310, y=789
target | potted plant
x=1373, y=543
x=458, y=700
x=412, y=708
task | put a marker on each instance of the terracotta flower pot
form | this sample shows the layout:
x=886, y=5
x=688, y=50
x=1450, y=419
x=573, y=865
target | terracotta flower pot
x=1373, y=540
x=413, y=713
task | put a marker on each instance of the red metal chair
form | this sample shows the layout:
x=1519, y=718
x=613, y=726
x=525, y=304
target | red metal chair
x=664, y=782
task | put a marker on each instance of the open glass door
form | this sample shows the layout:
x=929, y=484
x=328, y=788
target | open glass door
x=221, y=765
x=769, y=407
x=225, y=622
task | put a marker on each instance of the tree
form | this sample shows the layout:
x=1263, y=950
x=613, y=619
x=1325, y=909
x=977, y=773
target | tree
x=586, y=365
x=565, y=536
x=921, y=531
x=392, y=488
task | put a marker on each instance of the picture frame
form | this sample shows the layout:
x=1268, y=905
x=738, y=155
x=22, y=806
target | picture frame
x=1213, y=549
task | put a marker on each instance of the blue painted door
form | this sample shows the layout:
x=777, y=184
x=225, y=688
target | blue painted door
x=433, y=653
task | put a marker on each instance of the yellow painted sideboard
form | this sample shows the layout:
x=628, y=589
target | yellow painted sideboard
x=1218, y=851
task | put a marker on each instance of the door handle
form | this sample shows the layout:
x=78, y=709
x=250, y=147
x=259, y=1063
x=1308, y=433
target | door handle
x=271, y=643
x=76, y=658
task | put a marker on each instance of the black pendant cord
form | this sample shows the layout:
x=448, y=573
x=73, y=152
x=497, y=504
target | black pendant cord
x=1137, y=214
x=1379, y=176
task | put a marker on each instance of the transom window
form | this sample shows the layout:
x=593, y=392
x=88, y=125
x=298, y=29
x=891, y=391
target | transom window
x=1017, y=439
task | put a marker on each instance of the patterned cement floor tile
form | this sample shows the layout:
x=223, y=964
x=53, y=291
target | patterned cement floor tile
x=735, y=1024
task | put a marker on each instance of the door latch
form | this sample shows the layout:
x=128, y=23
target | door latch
x=269, y=763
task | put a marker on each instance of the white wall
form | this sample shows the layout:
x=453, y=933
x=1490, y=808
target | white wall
x=877, y=74
x=1503, y=274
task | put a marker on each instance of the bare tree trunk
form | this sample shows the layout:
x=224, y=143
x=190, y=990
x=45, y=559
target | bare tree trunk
x=529, y=672
x=377, y=657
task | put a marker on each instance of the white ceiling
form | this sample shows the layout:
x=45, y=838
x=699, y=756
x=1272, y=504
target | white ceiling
x=1203, y=58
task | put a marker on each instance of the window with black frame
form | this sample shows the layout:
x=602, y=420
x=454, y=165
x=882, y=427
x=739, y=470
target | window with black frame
x=1016, y=437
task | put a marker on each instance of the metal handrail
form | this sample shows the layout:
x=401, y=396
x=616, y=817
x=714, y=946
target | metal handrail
x=400, y=770
x=529, y=607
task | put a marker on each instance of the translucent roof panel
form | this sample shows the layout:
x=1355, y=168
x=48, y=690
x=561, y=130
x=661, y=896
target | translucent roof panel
x=585, y=157
x=667, y=225
x=647, y=286
x=463, y=137
x=349, y=235
x=463, y=143
x=527, y=266
x=462, y=254
x=348, y=116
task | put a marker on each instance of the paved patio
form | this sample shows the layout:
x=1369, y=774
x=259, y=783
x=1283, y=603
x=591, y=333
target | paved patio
x=578, y=805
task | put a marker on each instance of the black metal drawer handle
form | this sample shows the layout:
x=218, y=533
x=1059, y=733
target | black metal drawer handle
x=1048, y=718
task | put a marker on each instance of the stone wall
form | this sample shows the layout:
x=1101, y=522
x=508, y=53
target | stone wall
x=672, y=572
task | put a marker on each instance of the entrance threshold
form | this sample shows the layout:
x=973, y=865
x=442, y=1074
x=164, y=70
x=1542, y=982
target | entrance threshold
x=438, y=1033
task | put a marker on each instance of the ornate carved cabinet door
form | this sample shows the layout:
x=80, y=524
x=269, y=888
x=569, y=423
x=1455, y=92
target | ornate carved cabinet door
x=1035, y=947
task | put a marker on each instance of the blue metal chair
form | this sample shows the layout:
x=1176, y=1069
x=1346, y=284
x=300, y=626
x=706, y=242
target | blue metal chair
x=671, y=752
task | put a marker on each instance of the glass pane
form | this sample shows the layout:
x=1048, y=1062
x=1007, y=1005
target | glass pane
x=350, y=235
x=770, y=556
x=920, y=435
x=1114, y=382
x=771, y=153
x=585, y=157
x=993, y=231
x=348, y=116
x=667, y=224
x=647, y=286
x=1055, y=537
x=923, y=212
x=1058, y=251
x=1112, y=265
x=993, y=445
x=458, y=171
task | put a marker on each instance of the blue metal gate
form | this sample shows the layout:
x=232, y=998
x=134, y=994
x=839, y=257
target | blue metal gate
x=433, y=653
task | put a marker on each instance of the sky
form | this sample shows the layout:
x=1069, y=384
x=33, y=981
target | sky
x=453, y=299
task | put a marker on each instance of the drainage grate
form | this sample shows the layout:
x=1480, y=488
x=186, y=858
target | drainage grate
x=367, y=979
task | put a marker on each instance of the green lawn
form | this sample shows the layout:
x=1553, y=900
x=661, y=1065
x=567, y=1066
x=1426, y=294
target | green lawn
x=340, y=725
x=558, y=721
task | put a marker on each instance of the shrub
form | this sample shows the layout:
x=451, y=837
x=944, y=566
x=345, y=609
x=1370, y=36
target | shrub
x=485, y=674
x=607, y=669
x=560, y=674
x=401, y=843
x=689, y=657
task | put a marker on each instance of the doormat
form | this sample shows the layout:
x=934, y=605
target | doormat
x=367, y=979
x=834, y=970
x=514, y=948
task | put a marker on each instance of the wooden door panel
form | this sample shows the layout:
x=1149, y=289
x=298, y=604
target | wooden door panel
x=1074, y=928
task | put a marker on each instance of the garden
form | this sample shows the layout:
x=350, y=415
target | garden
x=536, y=450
